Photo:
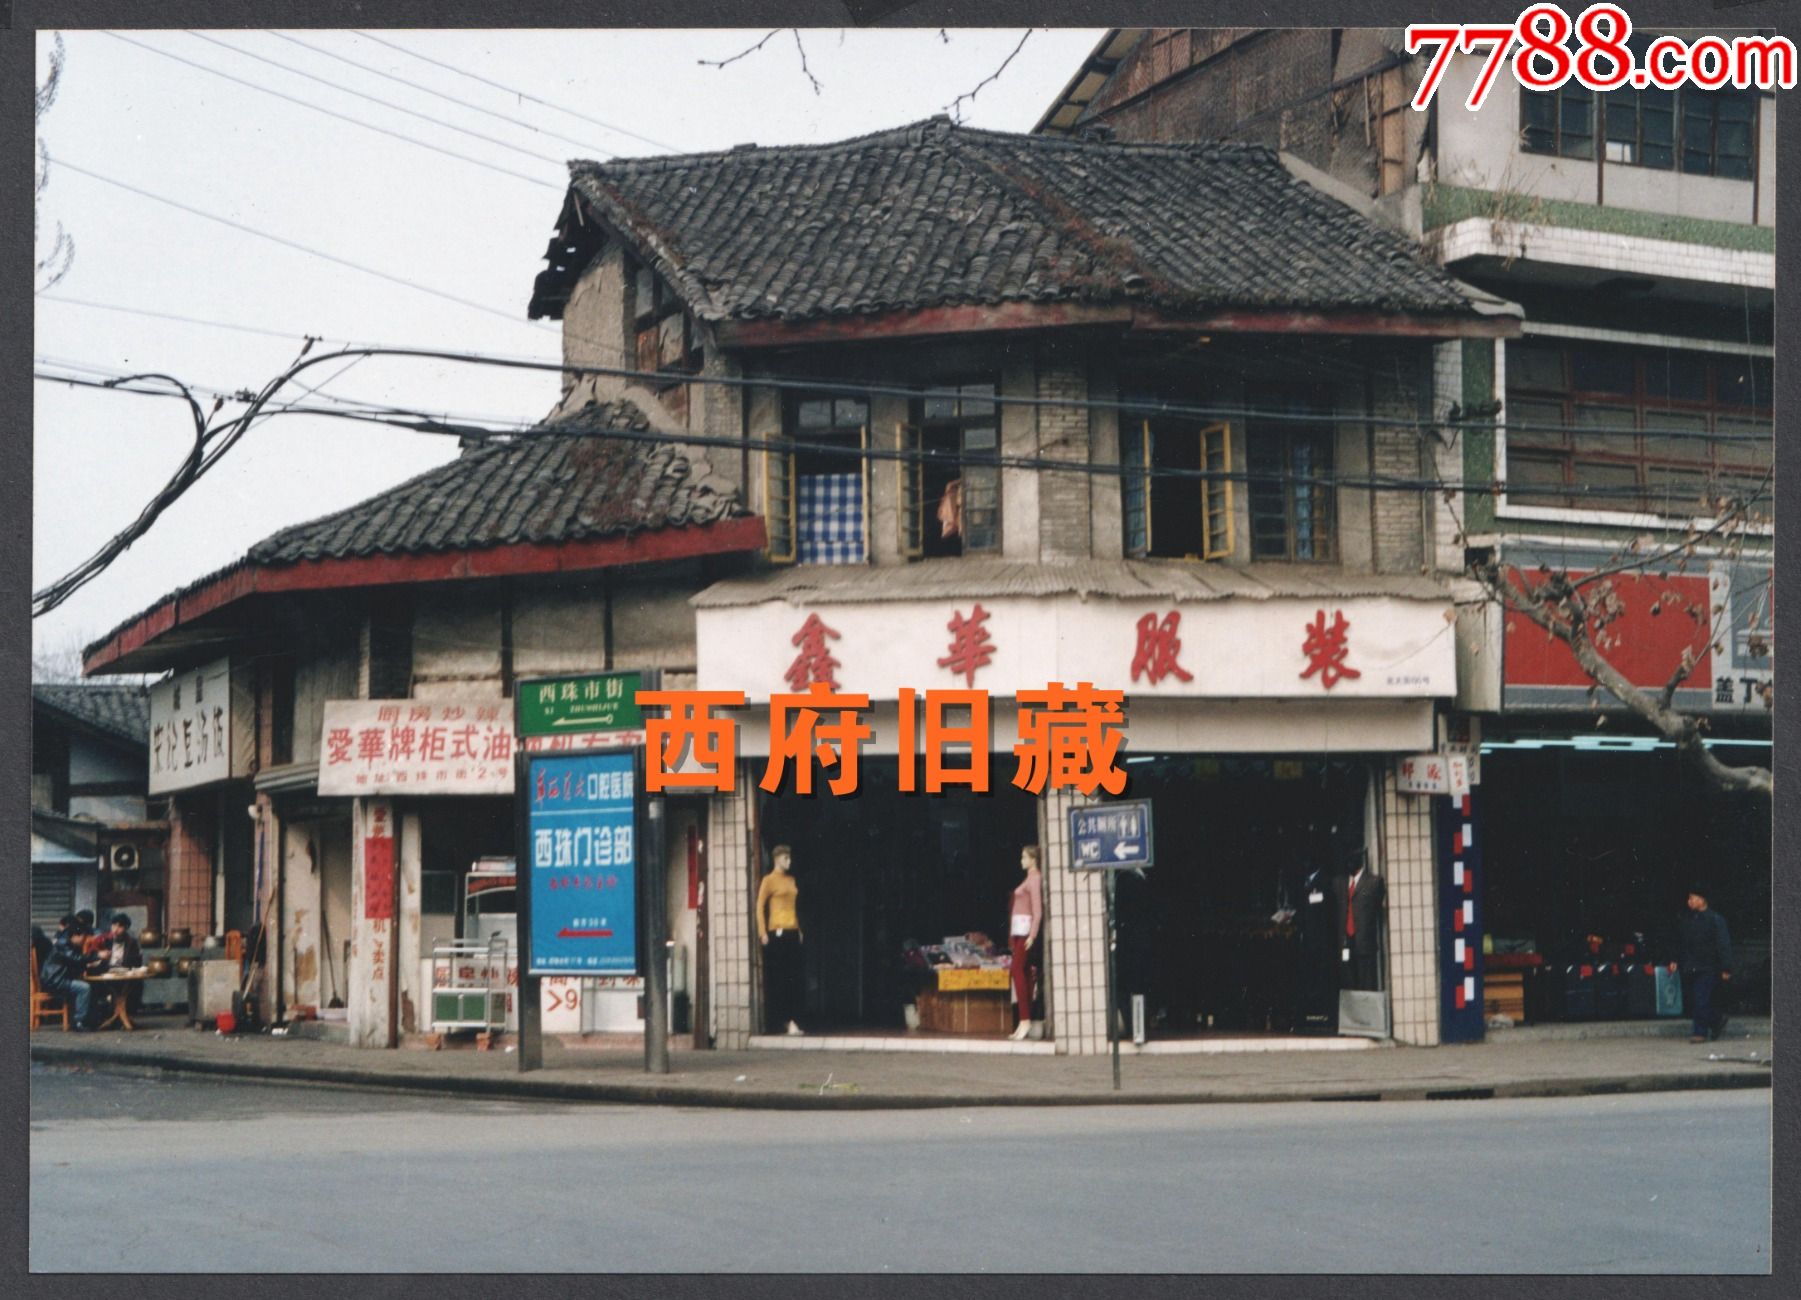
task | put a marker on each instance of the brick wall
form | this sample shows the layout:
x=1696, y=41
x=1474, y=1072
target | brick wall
x=1064, y=515
x=1396, y=516
x=189, y=892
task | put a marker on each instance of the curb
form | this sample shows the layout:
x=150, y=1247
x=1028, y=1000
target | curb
x=655, y=1094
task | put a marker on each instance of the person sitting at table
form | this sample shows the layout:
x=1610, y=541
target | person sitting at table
x=122, y=952
x=60, y=974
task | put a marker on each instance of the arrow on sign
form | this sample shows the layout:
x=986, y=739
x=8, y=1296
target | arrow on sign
x=584, y=934
x=1124, y=851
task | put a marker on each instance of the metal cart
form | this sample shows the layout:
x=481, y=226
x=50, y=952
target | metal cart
x=469, y=985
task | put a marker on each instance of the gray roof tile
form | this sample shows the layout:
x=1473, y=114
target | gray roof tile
x=933, y=214
x=122, y=711
x=557, y=483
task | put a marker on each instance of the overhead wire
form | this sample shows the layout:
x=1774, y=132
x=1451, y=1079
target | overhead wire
x=519, y=94
x=428, y=90
x=375, y=99
x=342, y=117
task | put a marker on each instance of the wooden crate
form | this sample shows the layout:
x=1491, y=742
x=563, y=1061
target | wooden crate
x=976, y=1011
x=1504, y=994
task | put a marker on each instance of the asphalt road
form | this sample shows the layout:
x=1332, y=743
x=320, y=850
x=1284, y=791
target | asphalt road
x=149, y=1175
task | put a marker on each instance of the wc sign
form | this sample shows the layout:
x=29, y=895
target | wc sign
x=1110, y=837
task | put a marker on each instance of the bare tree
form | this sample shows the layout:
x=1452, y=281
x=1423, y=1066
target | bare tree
x=1582, y=611
x=53, y=265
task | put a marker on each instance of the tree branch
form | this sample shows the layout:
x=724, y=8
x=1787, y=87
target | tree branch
x=803, y=59
x=954, y=108
x=720, y=63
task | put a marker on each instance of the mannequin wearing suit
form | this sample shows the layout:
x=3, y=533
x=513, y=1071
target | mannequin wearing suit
x=1360, y=897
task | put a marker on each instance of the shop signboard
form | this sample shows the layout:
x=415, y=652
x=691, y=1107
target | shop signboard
x=582, y=850
x=1110, y=837
x=591, y=711
x=1423, y=774
x=190, y=729
x=419, y=747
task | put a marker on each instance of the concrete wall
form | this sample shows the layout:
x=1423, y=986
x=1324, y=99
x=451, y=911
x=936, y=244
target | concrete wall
x=92, y=763
x=559, y=630
x=327, y=675
x=1482, y=150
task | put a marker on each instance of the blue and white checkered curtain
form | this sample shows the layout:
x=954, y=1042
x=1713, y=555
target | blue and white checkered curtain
x=829, y=515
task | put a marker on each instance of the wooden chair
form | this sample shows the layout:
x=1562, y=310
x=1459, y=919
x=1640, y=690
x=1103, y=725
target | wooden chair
x=45, y=1010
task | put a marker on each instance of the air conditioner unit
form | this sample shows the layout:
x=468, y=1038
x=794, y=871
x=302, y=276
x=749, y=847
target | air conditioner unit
x=122, y=859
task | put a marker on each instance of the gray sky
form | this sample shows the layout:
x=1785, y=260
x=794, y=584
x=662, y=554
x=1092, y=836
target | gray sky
x=145, y=120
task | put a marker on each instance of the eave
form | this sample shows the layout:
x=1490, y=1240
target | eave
x=927, y=322
x=736, y=534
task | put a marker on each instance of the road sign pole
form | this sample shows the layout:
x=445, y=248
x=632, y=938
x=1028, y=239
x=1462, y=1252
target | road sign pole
x=656, y=947
x=1112, y=977
x=531, y=1009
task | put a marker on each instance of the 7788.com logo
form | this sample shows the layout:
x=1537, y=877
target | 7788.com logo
x=1548, y=48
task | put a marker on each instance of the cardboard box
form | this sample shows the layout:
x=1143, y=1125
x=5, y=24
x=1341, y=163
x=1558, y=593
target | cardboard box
x=952, y=980
x=977, y=1011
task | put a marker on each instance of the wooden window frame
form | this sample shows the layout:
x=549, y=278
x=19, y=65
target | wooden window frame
x=987, y=391
x=1216, y=501
x=1325, y=535
x=1529, y=447
x=793, y=432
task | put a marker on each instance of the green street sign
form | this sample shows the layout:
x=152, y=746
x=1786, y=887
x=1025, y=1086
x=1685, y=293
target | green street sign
x=555, y=706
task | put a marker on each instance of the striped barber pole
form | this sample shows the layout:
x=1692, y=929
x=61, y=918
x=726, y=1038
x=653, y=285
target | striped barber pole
x=1460, y=920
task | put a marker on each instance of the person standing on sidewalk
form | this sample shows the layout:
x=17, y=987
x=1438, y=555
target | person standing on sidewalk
x=1706, y=962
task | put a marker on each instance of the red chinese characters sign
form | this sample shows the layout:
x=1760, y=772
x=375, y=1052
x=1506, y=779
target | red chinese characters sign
x=371, y=747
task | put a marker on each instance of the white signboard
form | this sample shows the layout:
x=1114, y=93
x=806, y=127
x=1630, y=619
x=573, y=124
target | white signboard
x=190, y=729
x=1424, y=774
x=1282, y=648
x=440, y=746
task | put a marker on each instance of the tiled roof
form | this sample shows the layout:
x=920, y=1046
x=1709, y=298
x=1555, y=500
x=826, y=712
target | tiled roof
x=965, y=579
x=938, y=215
x=122, y=711
x=557, y=483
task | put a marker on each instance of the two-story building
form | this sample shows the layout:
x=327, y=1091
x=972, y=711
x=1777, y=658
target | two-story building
x=1021, y=411
x=1636, y=228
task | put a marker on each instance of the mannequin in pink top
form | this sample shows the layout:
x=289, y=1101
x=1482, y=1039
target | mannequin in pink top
x=1025, y=917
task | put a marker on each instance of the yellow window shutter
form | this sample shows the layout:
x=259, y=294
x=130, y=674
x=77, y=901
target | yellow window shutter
x=1216, y=493
x=778, y=502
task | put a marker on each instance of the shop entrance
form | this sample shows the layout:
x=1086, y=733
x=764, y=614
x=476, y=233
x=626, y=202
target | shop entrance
x=1217, y=935
x=880, y=869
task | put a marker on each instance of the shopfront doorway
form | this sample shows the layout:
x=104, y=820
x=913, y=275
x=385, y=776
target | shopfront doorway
x=1218, y=936
x=880, y=870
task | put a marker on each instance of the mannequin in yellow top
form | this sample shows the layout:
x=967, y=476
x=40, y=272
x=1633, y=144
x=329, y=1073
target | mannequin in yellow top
x=778, y=926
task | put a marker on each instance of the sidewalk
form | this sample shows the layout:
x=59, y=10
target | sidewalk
x=837, y=1080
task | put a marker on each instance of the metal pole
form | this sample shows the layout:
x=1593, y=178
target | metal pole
x=656, y=946
x=531, y=1006
x=1112, y=980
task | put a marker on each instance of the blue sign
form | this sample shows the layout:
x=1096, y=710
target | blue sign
x=581, y=833
x=1110, y=836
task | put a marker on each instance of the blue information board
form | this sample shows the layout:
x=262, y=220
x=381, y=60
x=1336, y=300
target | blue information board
x=1110, y=836
x=581, y=832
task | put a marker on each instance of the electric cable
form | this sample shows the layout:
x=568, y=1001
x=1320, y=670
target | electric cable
x=425, y=89
x=342, y=117
x=518, y=94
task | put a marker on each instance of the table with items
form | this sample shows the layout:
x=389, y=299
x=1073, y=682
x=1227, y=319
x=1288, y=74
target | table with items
x=961, y=986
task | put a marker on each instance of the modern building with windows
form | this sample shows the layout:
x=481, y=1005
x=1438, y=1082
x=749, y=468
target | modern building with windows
x=1632, y=412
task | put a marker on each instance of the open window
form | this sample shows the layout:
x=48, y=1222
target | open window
x=1178, y=515
x=816, y=496
x=950, y=494
x=666, y=338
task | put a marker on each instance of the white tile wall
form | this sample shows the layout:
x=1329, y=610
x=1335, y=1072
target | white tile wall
x=1075, y=938
x=730, y=855
x=1407, y=865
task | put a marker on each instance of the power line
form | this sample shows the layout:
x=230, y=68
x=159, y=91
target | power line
x=452, y=99
x=342, y=117
x=464, y=72
x=299, y=247
x=398, y=108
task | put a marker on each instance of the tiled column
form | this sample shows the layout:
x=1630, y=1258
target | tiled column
x=188, y=888
x=1076, y=939
x=730, y=857
x=1407, y=866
